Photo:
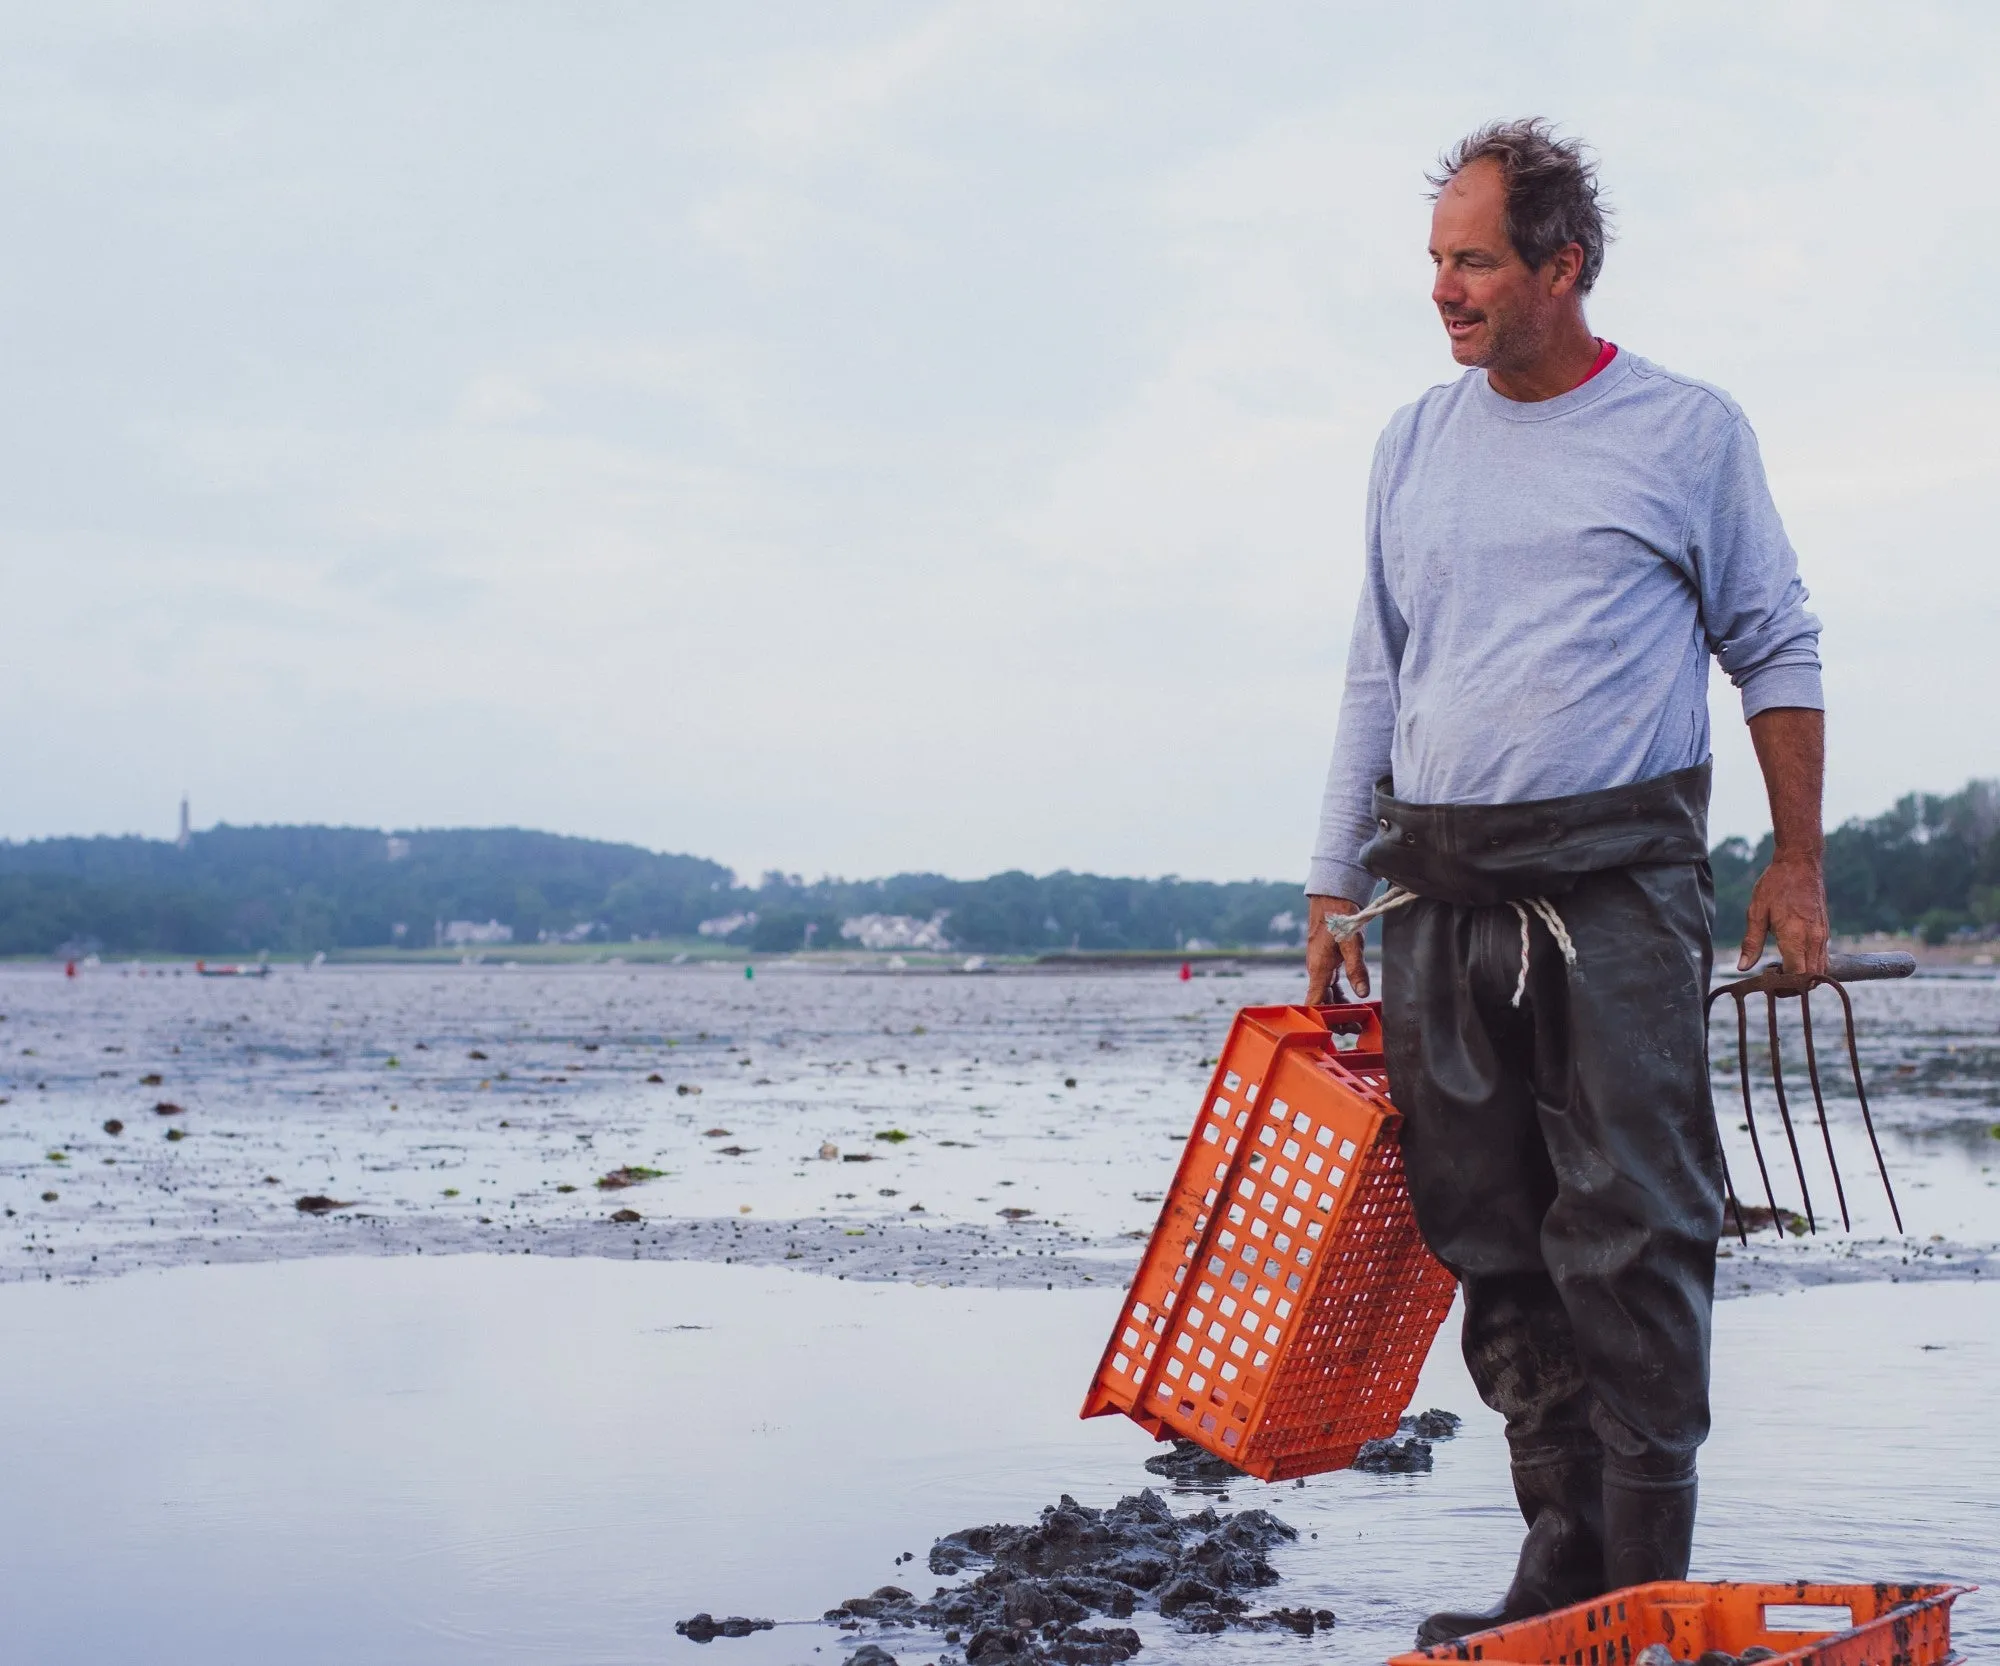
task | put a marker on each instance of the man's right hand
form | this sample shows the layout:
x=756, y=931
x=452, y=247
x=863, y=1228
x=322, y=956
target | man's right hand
x=1327, y=954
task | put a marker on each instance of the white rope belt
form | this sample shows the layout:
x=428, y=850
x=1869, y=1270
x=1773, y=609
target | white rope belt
x=1344, y=926
x=1554, y=921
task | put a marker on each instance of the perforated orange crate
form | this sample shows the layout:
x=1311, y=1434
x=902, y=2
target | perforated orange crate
x=1285, y=1304
x=1808, y=1625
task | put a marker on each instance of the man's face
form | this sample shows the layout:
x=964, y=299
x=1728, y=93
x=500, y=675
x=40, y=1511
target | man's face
x=1497, y=310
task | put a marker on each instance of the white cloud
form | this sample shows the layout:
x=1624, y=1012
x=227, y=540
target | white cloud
x=495, y=399
x=816, y=106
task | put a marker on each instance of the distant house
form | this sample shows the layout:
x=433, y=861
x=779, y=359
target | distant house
x=896, y=931
x=395, y=849
x=579, y=933
x=727, y=925
x=458, y=934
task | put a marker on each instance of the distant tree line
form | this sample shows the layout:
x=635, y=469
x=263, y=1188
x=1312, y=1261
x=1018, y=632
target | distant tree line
x=302, y=889
x=1021, y=913
x=1931, y=865
x=241, y=890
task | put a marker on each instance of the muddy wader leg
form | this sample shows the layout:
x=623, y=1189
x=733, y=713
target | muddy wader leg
x=1563, y=1161
x=1631, y=1236
x=1482, y=1181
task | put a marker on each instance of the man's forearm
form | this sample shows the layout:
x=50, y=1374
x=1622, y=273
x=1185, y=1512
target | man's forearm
x=1789, y=899
x=1791, y=750
x=1347, y=806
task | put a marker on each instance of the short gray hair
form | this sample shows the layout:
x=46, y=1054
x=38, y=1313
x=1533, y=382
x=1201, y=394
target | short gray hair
x=1552, y=191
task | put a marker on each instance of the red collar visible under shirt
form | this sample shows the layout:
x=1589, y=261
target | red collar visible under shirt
x=1606, y=352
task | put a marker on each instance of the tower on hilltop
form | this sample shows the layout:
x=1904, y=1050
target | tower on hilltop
x=181, y=841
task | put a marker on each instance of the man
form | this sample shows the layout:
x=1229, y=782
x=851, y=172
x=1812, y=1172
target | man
x=1557, y=543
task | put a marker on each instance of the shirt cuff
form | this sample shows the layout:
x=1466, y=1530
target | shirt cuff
x=1329, y=878
x=1783, y=685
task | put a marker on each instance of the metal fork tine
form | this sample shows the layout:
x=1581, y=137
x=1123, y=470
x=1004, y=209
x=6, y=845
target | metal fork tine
x=1819, y=1099
x=1729, y=1191
x=1861, y=1093
x=1728, y=1181
x=1749, y=1117
x=1785, y=1110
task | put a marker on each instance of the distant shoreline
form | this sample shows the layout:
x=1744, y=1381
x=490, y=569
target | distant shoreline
x=1974, y=956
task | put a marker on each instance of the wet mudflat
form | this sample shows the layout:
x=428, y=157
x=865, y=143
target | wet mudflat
x=487, y=1458
x=998, y=1130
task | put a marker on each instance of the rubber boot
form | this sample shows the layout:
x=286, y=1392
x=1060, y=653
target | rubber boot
x=1562, y=1558
x=1648, y=1528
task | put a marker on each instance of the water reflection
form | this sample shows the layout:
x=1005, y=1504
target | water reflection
x=487, y=1458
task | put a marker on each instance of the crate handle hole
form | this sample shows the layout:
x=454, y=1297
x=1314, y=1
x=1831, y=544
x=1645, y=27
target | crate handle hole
x=1807, y=1616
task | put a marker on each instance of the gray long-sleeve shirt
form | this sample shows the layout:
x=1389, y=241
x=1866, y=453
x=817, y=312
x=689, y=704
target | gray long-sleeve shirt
x=1545, y=584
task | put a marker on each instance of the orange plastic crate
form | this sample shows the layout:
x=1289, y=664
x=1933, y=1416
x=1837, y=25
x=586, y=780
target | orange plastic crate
x=1883, y=1625
x=1285, y=1304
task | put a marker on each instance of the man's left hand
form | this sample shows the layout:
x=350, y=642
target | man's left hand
x=1789, y=903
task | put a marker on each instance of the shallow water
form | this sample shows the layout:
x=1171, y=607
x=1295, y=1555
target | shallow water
x=481, y=1458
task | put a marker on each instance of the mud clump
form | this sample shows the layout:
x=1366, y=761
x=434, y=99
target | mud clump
x=1035, y=1587
x=1757, y=1217
x=315, y=1204
x=631, y=1174
x=1398, y=1455
x=1432, y=1424
x=1193, y=1468
x=705, y=1628
x=1072, y=1645
x=1408, y=1450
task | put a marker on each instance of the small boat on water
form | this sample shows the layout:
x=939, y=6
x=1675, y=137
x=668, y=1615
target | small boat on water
x=261, y=970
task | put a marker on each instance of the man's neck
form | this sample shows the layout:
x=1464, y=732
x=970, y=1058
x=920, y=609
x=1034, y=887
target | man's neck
x=1564, y=364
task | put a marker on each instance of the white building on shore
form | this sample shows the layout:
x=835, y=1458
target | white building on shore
x=896, y=931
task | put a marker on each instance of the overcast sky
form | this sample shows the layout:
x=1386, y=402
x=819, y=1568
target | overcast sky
x=859, y=437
